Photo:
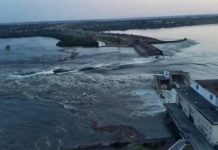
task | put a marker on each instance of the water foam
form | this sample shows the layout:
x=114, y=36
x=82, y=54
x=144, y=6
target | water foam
x=20, y=76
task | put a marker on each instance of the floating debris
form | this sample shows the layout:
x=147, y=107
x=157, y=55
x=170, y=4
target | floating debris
x=7, y=47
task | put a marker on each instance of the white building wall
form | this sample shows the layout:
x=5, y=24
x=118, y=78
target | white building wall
x=185, y=105
x=210, y=97
x=215, y=134
x=204, y=126
x=167, y=74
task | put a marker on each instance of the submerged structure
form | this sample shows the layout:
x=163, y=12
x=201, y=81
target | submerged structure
x=171, y=79
x=7, y=47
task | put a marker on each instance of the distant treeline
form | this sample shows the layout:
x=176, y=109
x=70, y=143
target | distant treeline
x=69, y=37
x=145, y=23
x=65, y=40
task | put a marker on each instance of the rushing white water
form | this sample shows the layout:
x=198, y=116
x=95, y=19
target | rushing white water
x=52, y=95
x=101, y=44
x=41, y=109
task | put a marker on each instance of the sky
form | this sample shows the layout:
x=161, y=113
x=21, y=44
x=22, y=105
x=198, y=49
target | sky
x=52, y=10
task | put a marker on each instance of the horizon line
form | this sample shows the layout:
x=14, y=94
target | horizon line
x=108, y=19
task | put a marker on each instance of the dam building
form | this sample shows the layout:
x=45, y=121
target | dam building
x=199, y=102
x=169, y=79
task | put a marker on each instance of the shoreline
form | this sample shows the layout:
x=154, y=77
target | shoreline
x=69, y=37
x=173, y=41
x=142, y=44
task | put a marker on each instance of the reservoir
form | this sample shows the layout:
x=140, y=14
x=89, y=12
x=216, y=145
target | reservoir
x=198, y=55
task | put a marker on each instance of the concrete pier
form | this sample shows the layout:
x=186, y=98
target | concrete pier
x=145, y=49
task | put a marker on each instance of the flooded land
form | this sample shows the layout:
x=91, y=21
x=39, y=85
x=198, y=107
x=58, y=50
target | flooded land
x=98, y=95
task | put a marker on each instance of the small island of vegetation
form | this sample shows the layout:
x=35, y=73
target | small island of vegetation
x=66, y=40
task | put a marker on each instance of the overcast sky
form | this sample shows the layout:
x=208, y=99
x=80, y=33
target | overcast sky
x=46, y=10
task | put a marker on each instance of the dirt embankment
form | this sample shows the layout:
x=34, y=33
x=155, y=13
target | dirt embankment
x=126, y=133
x=142, y=45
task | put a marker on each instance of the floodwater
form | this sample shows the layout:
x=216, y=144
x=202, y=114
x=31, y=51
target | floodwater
x=94, y=99
x=101, y=94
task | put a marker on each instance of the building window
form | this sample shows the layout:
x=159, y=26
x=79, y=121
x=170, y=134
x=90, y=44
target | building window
x=197, y=87
x=211, y=97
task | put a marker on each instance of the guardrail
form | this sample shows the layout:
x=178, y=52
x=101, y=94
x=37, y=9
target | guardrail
x=179, y=145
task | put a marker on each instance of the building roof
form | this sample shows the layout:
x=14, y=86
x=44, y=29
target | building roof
x=211, y=85
x=200, y=103
x=160, y=77
x=180, y=72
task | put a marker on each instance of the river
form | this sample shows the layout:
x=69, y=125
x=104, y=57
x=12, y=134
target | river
x=198, y=55
x=105, y=94
x=43, y=110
